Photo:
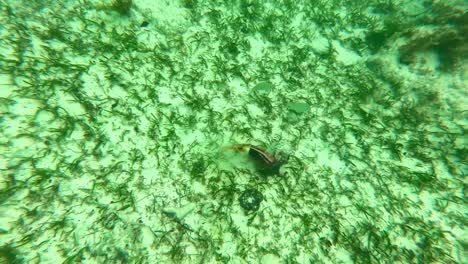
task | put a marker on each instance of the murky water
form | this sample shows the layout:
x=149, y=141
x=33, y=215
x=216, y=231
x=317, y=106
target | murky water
x=233, y=131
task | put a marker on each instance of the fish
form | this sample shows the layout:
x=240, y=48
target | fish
x=266, y=163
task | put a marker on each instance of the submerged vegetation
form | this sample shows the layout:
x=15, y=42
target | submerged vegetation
x=444, y=31
x=123, y=7
x=113, y=135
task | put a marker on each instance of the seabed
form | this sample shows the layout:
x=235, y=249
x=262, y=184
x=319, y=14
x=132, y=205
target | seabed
x=118, y=120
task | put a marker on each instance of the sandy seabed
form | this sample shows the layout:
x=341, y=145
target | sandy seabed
x=117, y=121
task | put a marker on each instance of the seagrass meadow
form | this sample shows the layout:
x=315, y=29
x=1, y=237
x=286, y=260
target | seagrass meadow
x=122, y=124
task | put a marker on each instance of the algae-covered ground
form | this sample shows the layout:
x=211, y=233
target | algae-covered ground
x=118, y=120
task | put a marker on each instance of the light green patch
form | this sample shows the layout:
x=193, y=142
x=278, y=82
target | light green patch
x=299, y=107
x=263, y=88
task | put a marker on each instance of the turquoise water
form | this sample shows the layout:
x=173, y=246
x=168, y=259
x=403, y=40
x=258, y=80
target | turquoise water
x=233, y=131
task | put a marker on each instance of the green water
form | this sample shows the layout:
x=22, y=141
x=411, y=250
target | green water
x=121, y=123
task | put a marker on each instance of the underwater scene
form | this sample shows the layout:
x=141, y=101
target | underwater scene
x=233, y=131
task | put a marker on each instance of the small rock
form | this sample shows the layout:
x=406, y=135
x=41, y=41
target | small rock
x=250, y=200
x=263, y=88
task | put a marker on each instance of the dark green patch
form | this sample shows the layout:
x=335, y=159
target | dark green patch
x=122, y=6
x=10, y=255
